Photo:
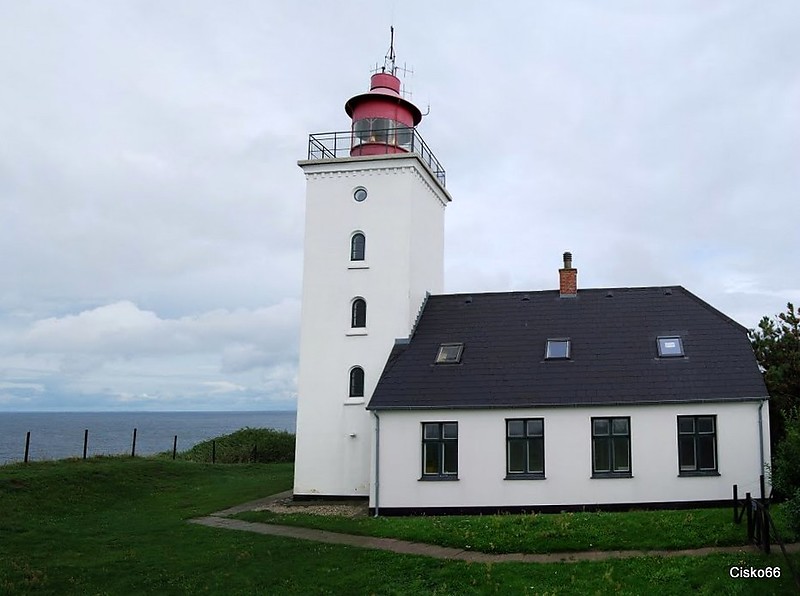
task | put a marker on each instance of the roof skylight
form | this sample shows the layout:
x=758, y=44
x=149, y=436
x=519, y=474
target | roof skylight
x=557, y=349
x=449, y=353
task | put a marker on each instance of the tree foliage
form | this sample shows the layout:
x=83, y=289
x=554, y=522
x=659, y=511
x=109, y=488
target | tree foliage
x=785, y=469
x=776, y=343
x=786, y=460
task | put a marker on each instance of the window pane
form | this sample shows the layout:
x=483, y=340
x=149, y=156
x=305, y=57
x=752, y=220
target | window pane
x=670, y=346
x=516, y=428
x=536, y=455
x=535, y=428
x=686, y=455
x=619, y=426
x=379, y=130
x=557, y=348
x=357, y=245
x=706, y=456
x=357, y=382
x=685, y=424
x=431, y=431
x=361, y=128
x=450, y=430
x=403, y=135
x=449, y=353
x=431, y=458
x=359, y=313
x=705, y=424
x=450, y=457
x=621, y=460
x=600, y=426
x=516, y=456
x=601, y=459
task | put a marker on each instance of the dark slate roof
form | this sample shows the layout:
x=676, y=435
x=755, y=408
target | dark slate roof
x=614, y=356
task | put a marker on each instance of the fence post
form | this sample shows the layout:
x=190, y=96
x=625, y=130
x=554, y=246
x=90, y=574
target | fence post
x=133, y=445
x=213, y=452
x=761, y=486
x=735, y=502
x=174, y=446
x=255, y=453
x=27, y=446
x=748, y=503
x=85, y=441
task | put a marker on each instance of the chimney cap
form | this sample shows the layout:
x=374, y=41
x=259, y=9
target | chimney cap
x=567, y=260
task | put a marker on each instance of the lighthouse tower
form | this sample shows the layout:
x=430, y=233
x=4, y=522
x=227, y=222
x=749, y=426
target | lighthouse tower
x=374, y=248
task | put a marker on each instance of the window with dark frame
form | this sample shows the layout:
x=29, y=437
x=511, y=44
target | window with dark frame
x=525, y=448
x=449, y=353
x=697, y=445
x=358, y=247
x=611, y=447
x=440, y=450
x=557, y=349
x=358, y=317
x=357, y=382
x=670, y=347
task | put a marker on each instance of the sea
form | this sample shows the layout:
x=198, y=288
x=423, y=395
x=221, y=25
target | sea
x=59, y=435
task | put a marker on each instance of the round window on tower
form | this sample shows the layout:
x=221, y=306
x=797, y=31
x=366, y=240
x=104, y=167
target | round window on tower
x=360, y=194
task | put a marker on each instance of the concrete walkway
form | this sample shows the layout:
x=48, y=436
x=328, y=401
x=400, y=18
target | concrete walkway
x=221, y=519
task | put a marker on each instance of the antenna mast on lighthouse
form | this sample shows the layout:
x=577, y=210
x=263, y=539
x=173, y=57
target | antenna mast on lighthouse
x=388, y=60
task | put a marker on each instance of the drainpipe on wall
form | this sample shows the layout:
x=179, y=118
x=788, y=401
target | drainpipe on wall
x=378, y=459
x=761, y=434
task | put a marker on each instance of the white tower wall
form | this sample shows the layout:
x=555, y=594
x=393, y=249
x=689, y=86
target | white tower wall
x=403, y=222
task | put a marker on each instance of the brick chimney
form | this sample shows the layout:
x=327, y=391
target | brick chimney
x=568, y=278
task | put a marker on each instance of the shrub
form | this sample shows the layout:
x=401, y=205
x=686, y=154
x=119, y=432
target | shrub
x=786, y=460
x=792, y=509
x=786, y=469
x=259, y=445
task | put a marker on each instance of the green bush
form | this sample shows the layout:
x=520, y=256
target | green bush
x=792, y=508
x=247, y=445
x=786, y=459
x=785, y=472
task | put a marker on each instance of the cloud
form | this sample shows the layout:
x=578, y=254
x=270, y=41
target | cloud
x=223, y=387
x=152, y=207
x=136, y=358
x=123, y=330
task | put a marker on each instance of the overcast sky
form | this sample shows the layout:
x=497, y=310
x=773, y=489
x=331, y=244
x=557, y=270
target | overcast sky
x=151, y=207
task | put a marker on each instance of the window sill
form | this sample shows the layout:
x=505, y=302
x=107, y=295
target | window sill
x=448, y=478
x=355, y=265
x=356, y=332
x=525, y=477
x=696, y=474
x=354, y=401
x=602, y=476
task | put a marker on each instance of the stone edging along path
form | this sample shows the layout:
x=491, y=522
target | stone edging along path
x=221, y=519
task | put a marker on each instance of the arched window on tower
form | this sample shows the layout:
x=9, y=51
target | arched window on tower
x=358, y=245
x=358, y=316
x=357, y=382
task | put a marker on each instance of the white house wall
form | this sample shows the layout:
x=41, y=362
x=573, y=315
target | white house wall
x=403, y=222
x=568, y=458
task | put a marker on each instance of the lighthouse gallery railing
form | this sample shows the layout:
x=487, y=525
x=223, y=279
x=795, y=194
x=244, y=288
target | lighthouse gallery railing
x=333, y=145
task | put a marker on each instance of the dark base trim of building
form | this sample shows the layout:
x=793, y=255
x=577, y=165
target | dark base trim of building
x=589, y=507
x=331, y=498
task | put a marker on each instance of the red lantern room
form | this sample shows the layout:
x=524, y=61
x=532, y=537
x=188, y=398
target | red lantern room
x=383, y=120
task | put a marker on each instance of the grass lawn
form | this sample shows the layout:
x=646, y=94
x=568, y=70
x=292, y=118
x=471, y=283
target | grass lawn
x=541, y=533
x=118, y=526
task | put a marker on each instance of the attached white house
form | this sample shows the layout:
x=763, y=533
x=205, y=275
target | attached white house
x=566, y=400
